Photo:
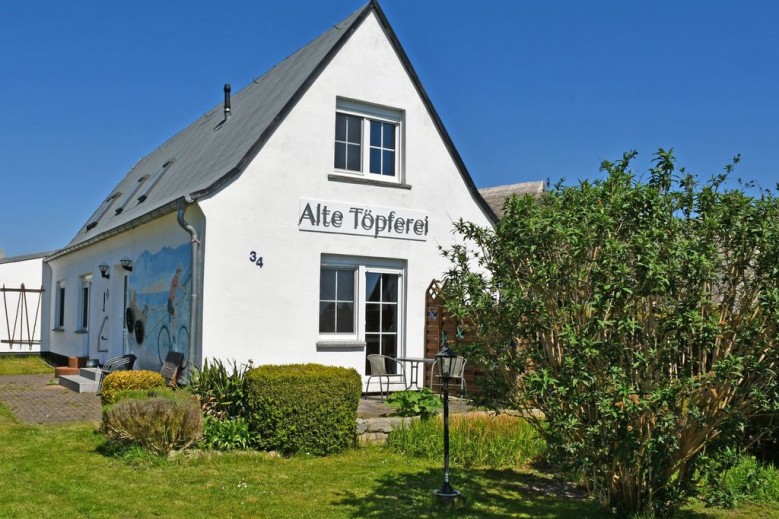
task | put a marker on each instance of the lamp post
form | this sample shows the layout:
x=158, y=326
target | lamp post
x=445, y=360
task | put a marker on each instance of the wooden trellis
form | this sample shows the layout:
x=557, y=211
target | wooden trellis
x=24, y=329
x=441, y=327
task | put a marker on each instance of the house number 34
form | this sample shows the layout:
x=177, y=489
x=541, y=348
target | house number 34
x=254, y=258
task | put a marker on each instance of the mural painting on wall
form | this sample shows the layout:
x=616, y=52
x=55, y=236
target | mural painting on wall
x=157, y=314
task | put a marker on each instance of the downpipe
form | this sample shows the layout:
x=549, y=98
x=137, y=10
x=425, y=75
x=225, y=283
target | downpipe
x=194, y=326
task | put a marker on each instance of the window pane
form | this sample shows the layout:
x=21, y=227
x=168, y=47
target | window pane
x=326, y=317
x=389, y=318
x=61, y=317
x=371, y=348
x=340, y=155
x=375, y=160
x=340, y=127
x=353, y=129
x=84, y=307
x=389, y=345
x=345, y=285
x=345, y=318
x=390, y=287
x=375, y=133
x=372, y=317
x=353, y=157
x=327, y=284
x=372, y=286
x=388, y=168
x=388, y=139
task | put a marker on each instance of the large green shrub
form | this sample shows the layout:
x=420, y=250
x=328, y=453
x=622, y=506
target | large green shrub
x=640, y=316
x=160, y=423
x=303, y=408
x=128, y=380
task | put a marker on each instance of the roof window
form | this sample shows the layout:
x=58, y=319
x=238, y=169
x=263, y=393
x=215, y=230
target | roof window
x=154, y=180
x=102, y=210
x=132, y=194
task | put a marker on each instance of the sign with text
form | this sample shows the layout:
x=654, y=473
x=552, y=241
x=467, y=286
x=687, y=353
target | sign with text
x=363, y=220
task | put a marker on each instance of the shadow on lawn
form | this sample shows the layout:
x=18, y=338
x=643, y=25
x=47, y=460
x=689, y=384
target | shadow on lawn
x=489, y=493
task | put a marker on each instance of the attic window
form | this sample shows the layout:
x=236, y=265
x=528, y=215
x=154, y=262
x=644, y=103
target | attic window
x=154, y=180
x=102, y=210
x=132, y=194
x=368, y=141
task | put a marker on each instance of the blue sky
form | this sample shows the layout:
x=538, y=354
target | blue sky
x=528, y=90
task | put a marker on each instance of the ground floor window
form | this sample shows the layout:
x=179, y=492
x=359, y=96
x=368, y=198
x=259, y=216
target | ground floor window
x=83, y=304
x=59, y=306
x=361, y=300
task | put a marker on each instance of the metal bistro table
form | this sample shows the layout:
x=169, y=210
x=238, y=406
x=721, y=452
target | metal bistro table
x=414, y=363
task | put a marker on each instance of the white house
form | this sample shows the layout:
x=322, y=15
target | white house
x=300, y=221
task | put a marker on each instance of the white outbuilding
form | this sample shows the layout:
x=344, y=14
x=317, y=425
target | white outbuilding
x=21, y=297
x=299, y=221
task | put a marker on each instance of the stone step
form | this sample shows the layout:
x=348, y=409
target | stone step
x=65, y=370
x=90, y=373
x=78, y=383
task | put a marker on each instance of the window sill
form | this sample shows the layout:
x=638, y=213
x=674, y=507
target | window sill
x=348, y=179
x=340, y=345
x=81, y=331
x=58, y=329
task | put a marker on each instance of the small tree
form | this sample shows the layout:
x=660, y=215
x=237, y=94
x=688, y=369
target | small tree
x=639, y=317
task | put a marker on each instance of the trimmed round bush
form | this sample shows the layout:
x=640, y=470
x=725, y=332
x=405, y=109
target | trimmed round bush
x=124, y=380
x=303, y=407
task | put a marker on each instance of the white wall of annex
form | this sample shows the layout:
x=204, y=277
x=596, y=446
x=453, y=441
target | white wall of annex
x=270, y=314
x=20, y=317
x=152, y=237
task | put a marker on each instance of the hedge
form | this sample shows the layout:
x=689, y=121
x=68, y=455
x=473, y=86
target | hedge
x=124, y=380
x=303, y=407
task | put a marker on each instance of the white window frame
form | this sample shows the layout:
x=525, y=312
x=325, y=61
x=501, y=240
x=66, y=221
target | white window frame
x=84, y=303
x=363, y=266
x=368, y=113
x=336, y=336
x=59, y=306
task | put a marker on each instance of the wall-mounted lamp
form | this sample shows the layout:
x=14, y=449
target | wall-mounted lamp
x=104, y=270
x=127, y=264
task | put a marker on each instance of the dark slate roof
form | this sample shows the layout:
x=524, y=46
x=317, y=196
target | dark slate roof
x=496, y=196
x=210, y=153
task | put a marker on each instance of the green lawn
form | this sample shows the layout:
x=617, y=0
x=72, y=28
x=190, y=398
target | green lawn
x=61, y=471
x=24, y=365
x=65, y=471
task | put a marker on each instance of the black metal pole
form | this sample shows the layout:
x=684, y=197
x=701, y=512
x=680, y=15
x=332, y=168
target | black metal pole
x=447, y=488
x=447, y=494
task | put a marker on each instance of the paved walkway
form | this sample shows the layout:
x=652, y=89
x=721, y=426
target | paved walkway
x=32, y=400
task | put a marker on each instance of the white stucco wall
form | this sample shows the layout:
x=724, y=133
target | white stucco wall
x=270, y=314
x=20, y=317
x=148, y=238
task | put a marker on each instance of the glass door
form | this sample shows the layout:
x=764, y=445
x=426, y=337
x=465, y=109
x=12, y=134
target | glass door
x=382, y=313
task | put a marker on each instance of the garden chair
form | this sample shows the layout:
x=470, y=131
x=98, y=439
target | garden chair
x=171, y=368
x=377, y=365
x=458, y=373
x=125, y=362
